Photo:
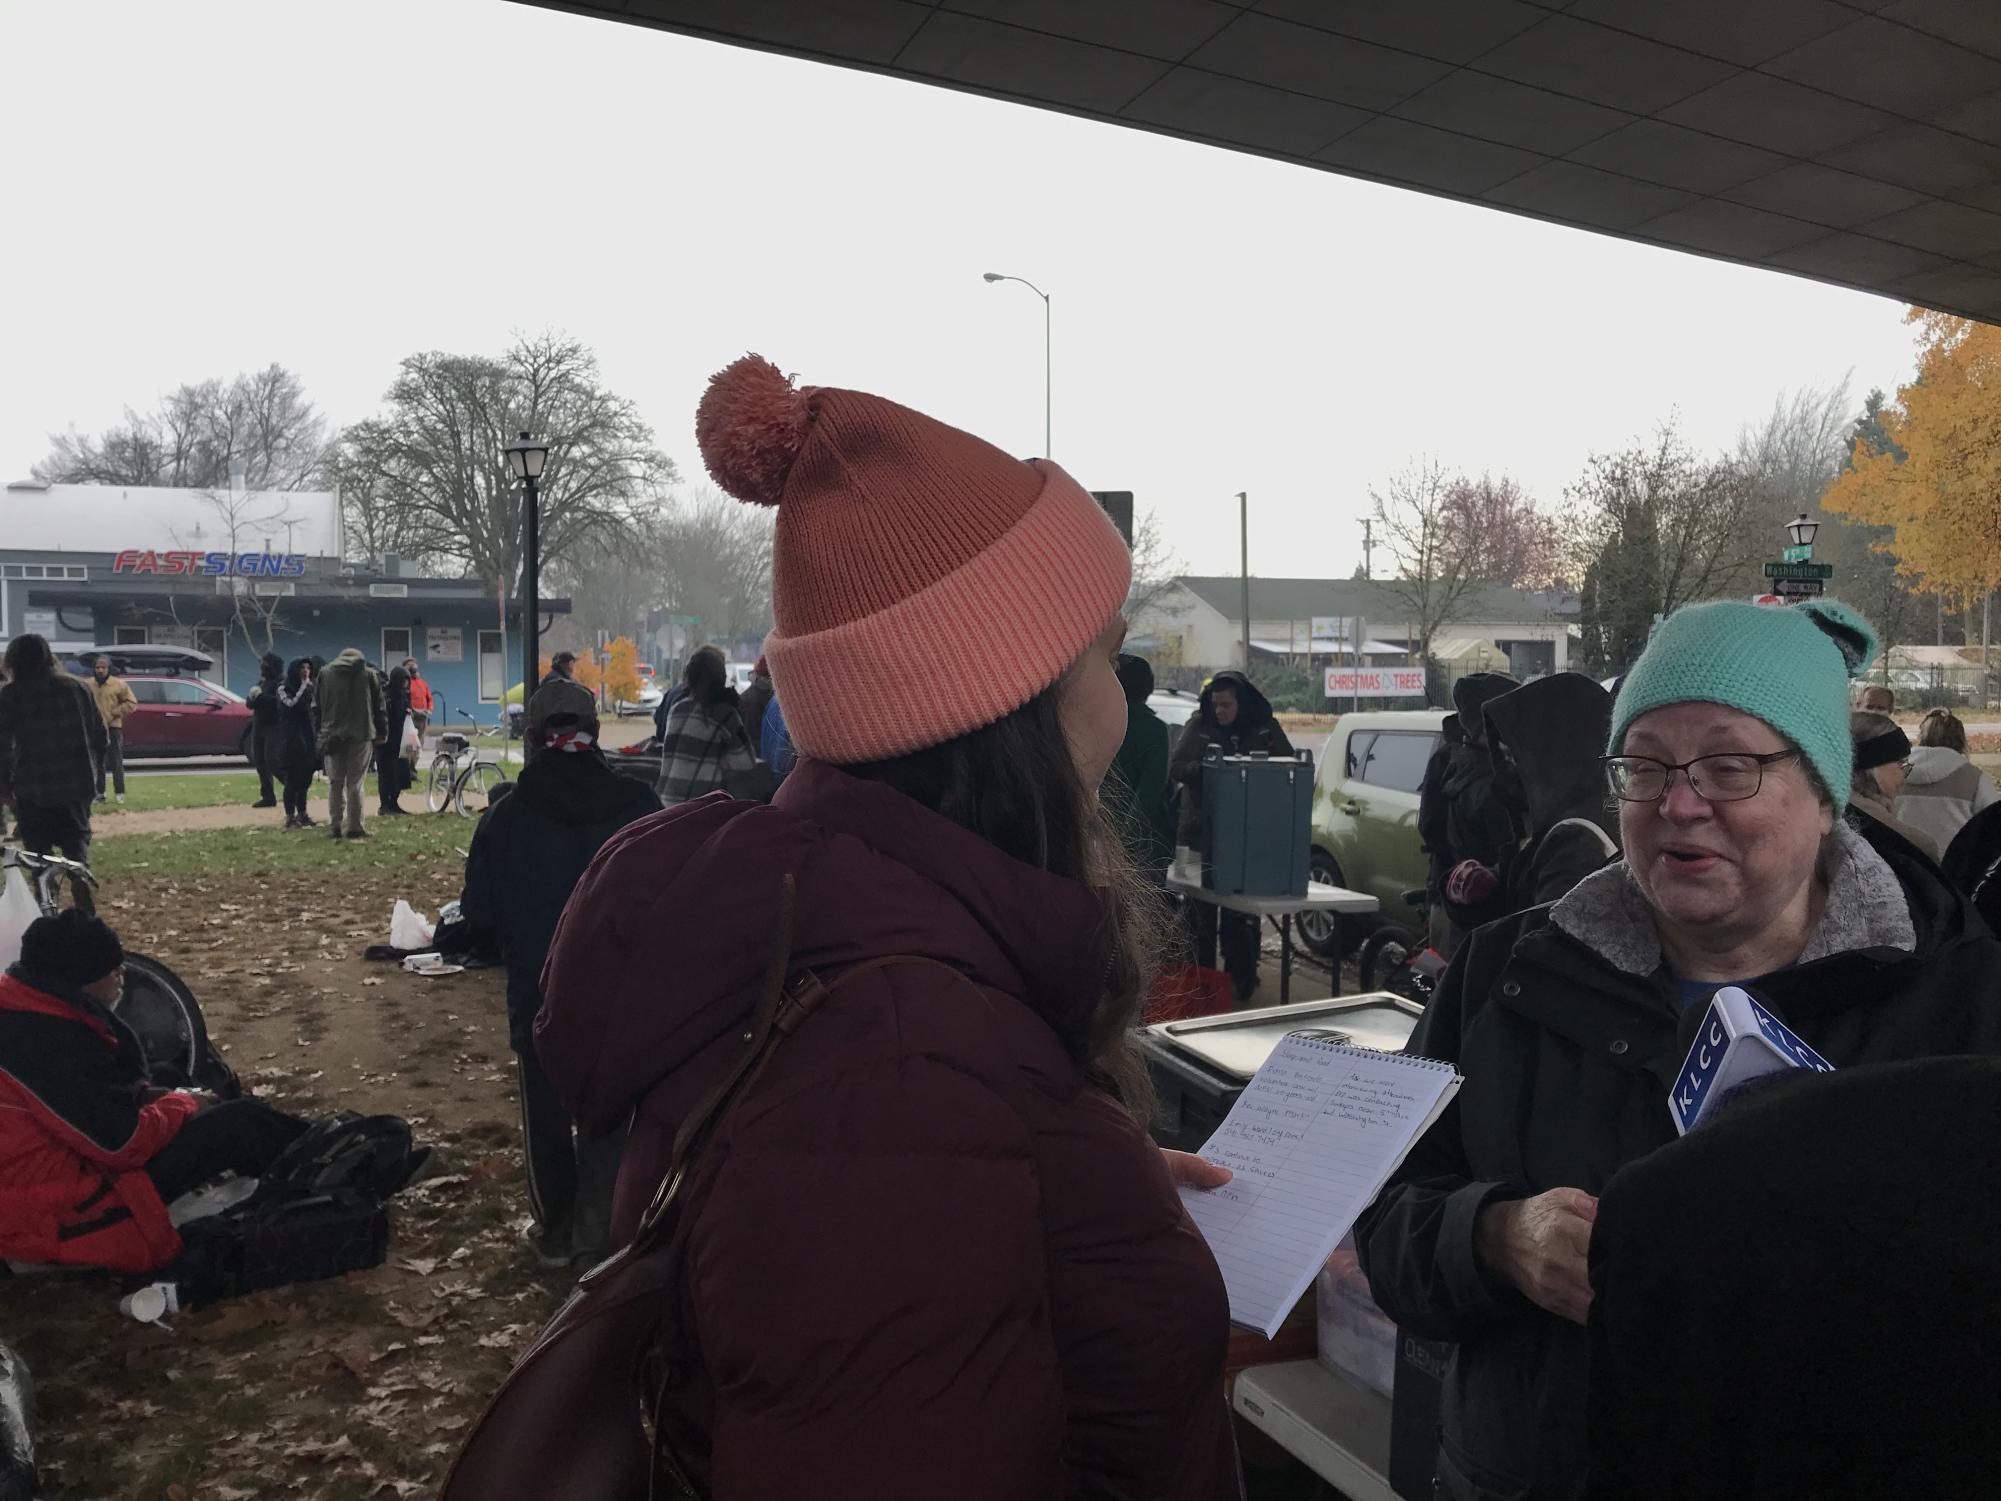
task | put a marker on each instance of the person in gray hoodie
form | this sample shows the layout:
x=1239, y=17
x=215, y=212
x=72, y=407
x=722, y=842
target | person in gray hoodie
x=1942, y=789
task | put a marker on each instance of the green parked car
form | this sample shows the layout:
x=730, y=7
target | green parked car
x=1365, y=818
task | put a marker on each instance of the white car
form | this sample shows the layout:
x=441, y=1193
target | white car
x=1174, y=707
x=648, y=700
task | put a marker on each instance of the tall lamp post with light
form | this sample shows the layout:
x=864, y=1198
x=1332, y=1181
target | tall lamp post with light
x=1797, y=576
x=994, y=276
x=526, y=458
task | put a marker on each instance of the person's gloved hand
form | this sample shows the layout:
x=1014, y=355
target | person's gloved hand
x=1470, y=884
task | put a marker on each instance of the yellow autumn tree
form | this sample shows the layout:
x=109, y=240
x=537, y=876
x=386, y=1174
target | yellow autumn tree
x=1934, y=473
x=621, y=670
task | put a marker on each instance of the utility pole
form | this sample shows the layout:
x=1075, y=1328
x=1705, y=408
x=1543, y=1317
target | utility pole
x=1368, y=548
x=1244, y=524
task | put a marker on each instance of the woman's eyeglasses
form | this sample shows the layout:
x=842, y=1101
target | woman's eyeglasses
x=1726, y=778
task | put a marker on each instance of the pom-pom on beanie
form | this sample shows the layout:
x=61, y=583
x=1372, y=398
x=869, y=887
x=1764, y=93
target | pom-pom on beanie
x=924, y=583
x=1787, y=665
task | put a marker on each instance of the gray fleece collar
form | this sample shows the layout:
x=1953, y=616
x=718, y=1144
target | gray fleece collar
x=1866, y=909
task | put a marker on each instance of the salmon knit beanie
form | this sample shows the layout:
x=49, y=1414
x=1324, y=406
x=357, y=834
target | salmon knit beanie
x=1787, y=665
x=924, y=583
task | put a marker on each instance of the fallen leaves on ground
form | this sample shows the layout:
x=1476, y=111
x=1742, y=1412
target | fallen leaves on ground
x=347, y=1390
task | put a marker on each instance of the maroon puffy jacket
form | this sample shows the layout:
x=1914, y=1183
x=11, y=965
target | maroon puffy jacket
x=928, y=1257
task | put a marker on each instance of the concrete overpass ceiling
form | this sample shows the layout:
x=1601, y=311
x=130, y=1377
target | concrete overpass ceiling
x=1853, y=141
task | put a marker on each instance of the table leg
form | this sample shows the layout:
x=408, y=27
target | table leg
x=1285, y=959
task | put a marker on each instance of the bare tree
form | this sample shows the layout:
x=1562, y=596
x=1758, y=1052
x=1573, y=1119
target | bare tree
x=1448, y=535
x=1155, y=566
x=246, y=520
x=1653, y=527
x=613, y=582
x=715, y=563
x=373, y=524
x=260, y=422
x=1794, y=451
x=430, y=472
x=1793, y=455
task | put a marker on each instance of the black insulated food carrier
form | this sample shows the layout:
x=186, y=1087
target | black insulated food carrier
x=1259, y=815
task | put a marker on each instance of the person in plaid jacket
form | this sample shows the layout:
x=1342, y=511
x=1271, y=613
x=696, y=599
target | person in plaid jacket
x=704, y=741
x=52, y=741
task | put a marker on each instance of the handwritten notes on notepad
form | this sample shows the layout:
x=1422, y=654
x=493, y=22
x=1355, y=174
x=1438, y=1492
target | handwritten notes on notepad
x=1312, y=1139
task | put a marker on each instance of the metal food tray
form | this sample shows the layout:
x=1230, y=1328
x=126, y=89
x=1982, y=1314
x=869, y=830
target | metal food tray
x=1236, y=1045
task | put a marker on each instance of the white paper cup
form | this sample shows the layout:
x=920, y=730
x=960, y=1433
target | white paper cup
x=151, y=1304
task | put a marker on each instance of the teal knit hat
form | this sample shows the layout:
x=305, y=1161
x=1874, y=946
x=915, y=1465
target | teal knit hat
x=1789, y=666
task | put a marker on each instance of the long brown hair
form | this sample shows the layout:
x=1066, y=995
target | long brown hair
x=1015, y=784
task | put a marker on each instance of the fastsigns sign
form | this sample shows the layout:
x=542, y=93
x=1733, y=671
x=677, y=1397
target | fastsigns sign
x=276, y=565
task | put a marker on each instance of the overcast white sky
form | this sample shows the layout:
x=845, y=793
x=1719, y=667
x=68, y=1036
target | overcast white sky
x=199, y=188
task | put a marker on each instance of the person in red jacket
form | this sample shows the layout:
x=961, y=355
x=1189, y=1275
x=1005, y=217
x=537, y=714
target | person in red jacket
x=90, y=1152
x=932, y=1250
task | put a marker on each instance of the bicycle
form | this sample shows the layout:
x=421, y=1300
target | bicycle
x=156, y=1003
x=460, y=777
x=1401, y=960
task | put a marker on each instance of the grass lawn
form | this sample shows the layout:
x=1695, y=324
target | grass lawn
x=144, y=794
x=420, y=839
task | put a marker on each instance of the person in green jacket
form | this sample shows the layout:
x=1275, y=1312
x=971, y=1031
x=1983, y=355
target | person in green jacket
x=1135, y=790
x=348, y=723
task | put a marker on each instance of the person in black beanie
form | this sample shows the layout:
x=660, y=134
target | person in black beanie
x=91, y=1152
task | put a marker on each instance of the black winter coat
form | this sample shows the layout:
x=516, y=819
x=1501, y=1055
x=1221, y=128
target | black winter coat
x=1568, y=1060
x=1253, y=731
x=298, y=748
x=528, y=853
x=1798, y=1302
x=1458, y=815
x=263, y=701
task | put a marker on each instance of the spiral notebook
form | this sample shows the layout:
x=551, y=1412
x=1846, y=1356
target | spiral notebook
x=1311, y=1141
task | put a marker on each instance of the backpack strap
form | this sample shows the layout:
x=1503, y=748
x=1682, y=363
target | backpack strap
x=784, y=1002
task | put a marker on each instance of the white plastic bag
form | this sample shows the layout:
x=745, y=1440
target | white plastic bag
x=413, y=744
x=408, y=928
x=17, y=909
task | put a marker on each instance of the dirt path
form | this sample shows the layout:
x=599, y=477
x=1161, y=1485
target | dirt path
x=110, y=825
x=347, y=1390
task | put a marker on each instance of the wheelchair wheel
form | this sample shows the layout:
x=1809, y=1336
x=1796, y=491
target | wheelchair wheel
x=160, y=1009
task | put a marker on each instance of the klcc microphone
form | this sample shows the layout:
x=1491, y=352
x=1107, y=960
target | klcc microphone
x=1738, y=1041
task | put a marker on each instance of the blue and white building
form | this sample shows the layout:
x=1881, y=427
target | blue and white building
x=234, y=573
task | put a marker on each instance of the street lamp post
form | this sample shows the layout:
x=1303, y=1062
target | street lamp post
x=1047, y=399
x=1801, y=530
x=526, y=458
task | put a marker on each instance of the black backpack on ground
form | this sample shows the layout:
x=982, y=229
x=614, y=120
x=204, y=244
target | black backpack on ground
x=318, y=1211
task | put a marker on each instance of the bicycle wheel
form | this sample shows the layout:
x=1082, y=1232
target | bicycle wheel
x=162, y=1012
x=438, y=790
x=477, y=786
x=1384, y=960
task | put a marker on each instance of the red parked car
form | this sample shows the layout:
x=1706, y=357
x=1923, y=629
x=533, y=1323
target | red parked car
x=185, y=716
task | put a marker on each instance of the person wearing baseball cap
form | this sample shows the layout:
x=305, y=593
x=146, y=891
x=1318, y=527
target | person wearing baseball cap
x=933, y=1250
x=562, y=669
x=527, y=854
x=1731, y=764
